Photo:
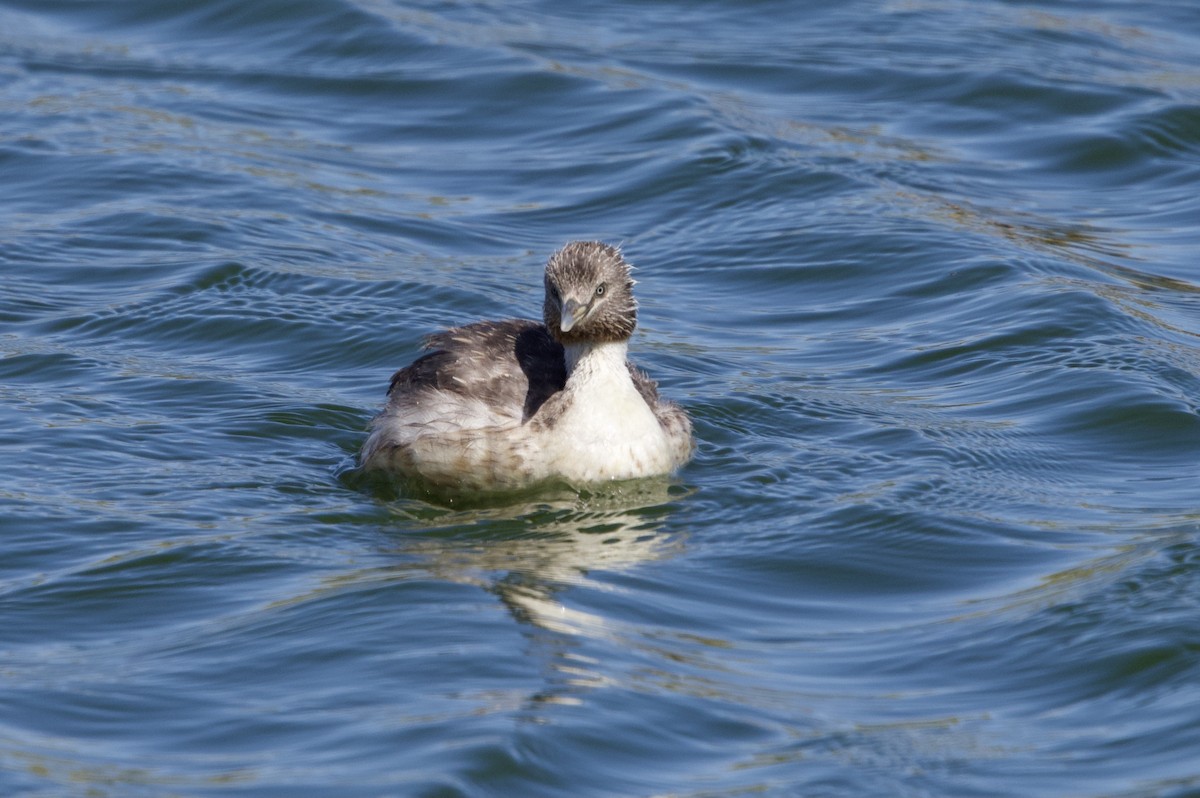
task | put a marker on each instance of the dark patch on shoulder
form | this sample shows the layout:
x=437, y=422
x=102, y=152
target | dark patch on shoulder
x=513, y=364
x=544, y=365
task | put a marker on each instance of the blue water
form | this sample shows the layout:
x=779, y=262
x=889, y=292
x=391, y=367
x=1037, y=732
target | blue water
x=924, y=273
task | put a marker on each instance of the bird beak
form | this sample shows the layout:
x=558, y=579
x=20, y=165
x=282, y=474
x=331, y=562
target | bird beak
x=572, y=312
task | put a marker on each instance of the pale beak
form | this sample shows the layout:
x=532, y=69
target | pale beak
x=572, y=312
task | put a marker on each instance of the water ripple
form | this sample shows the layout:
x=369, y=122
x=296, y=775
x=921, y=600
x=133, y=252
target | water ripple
x=922, y=273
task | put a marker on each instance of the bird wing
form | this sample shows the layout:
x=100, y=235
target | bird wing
x=513, y=366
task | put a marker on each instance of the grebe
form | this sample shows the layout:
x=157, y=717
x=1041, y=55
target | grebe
x=503, y=405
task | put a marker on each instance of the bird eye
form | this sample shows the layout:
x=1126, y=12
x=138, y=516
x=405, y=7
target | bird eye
x=600, y=289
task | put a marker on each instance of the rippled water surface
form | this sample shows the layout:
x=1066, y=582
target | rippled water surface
x=924, y=273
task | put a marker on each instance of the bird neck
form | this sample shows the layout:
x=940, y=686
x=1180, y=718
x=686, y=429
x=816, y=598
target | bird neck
x=591, y=357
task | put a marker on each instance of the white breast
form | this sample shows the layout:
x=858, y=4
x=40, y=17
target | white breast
x=607, y=430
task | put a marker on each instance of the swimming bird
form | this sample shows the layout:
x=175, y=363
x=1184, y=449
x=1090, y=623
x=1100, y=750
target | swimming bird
x=504, y=405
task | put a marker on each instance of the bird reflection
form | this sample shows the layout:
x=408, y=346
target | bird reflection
x=529, y=556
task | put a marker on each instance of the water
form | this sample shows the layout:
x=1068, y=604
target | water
x=924, y=273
